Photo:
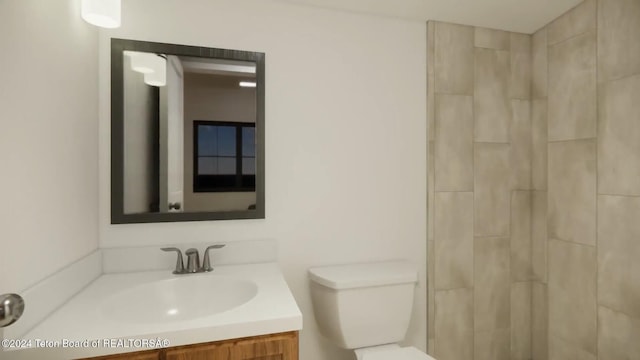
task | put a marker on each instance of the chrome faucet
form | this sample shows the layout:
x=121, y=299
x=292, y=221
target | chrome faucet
x=193, y=260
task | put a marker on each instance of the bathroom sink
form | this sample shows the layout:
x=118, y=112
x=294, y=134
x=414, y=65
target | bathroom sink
x=181, y=298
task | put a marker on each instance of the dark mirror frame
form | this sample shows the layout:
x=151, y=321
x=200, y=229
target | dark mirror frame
x=118, y=46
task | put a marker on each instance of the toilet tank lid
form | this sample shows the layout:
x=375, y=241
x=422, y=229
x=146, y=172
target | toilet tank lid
x=364, y=275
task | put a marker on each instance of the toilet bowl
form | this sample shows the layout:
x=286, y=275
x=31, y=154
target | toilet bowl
x=366, y=308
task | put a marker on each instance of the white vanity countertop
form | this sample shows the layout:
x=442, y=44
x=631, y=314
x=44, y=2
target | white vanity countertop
x=272, y=310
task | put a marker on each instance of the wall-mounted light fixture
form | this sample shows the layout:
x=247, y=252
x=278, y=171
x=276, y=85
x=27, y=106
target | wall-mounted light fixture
x=103, y=13
x=247, y=84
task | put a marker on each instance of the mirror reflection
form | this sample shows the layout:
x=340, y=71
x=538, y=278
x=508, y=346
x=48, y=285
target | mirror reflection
x=189, y=137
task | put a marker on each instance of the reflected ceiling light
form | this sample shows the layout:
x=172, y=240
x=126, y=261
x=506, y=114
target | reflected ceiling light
x=142, y=62
x=103, y=13
x=159, y=75
x=247, y=84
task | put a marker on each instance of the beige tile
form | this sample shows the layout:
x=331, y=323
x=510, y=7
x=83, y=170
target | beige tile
x=572, y=89
x=618, y=45
x=453, y=240
x=562, y=350
x=572, y=294
x=539, y=144
x=521, y=321
x=618, y=253
x=431, y=289
x=539, y=64
x=521, y=235
x=492, y=108
x=454, y=58
x=574, y=22
x=521, y=146
x=539, y=235
x=618, y=335
x=572, y=191
x=431, y=346
x=431, y=89
x=492, y=345
x=454, y=143
x=431, y=195
x=491, y=284
x=492, y=39
x=520, y=85
x=539, y=321
x=492, y=189
x=454, y=324
x=619, y=137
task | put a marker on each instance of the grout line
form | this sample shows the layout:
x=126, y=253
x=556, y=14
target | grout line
x=570, y=140
x=570, y=242
x=561, y=42
x=614, y=195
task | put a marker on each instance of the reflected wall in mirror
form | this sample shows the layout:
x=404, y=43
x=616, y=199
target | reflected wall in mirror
x=187, y=133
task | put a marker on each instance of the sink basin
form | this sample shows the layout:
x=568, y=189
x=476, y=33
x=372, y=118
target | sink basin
x=181, y=298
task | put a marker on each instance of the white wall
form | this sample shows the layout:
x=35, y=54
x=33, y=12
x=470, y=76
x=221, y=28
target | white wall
x=48, y=137
x=345, y=138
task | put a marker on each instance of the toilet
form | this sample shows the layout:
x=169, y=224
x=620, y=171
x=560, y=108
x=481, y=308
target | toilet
x=366, y=308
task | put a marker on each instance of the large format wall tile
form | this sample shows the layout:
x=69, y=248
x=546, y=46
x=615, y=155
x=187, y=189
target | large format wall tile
x=539, y=64
x=539, y=235
x=562, y=350
x=454, y=143
x=492, y=189
x=539, y=144
x=520, y=84
x=492, y=344
x=431, y=80
x=491, y=284
x=492, y=107
x=521, y=144
x=578, y=20
x=572, y=191
x=572, y=89
x=539, y=350
x=521, y=235
x=618, y=335
x=619, y=137
x=492, y=39
x=618, y=45
x=618, y=253
x=453, y=240
x=521, y=321
x=454, y=324
x=454, y=59
x=572, y=294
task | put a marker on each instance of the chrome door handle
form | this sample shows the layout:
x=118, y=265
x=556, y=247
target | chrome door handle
x=11, y=309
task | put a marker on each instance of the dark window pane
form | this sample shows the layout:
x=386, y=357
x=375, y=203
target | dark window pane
x=226, y=166
x=207, y=140
x=248, y=166
x=249, y=141
x=207, y=166
x=226, y=141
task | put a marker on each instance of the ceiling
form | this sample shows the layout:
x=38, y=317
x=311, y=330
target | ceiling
x=525, y=16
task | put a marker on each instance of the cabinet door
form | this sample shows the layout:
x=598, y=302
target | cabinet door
x=274, y=347
x=271, y=347
x=141, y=355
x=213, y=351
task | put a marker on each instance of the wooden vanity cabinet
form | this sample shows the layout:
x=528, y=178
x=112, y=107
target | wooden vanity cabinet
x=283, y=346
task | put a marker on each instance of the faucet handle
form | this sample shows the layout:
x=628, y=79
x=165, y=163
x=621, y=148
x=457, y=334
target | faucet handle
x=193, y=260
x=206, y=263
x=179, y=264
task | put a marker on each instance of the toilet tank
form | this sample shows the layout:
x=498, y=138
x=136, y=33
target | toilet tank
x=362, y=305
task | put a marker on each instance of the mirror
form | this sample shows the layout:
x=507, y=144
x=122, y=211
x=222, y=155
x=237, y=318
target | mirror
x=187, y=133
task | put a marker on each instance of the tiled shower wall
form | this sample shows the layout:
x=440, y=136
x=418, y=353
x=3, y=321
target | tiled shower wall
x=480, y=193
x=586, y=171
x=545, y=268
